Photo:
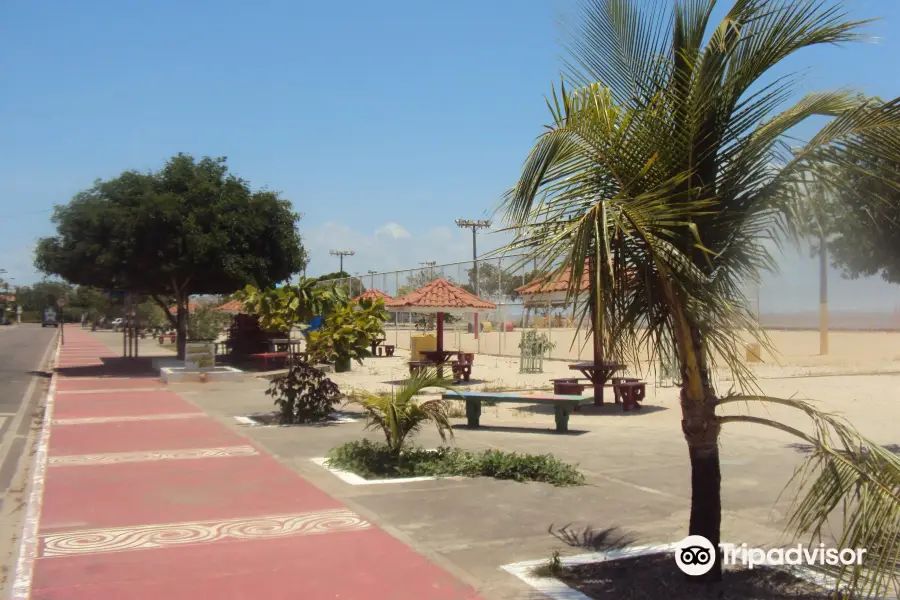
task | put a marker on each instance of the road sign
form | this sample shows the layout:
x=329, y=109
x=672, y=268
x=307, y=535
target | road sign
x=61, y=302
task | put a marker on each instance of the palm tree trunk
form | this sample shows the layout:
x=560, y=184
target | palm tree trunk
x=701, y=431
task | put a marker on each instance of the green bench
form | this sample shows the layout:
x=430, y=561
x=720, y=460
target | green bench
x=562, y=405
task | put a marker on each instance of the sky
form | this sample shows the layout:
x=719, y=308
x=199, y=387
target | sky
x=382, y=122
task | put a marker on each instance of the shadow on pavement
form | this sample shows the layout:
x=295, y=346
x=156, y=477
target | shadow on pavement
x=596, y=540
x=609, y=409
x=113, y=367
x=513, y=429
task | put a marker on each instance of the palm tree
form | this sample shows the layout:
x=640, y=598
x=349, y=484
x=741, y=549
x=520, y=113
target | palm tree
x=399, y=415
x=666, y=158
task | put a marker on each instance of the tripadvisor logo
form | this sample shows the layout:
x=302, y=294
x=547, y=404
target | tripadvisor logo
x=695, y=555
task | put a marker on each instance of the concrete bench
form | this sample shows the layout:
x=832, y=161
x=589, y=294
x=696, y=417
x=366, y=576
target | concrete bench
x=562, y=405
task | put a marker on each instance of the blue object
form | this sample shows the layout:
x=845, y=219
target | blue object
x=316, y=323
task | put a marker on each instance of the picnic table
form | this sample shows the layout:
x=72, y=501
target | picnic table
x=562, y=405
x=462, y=366
x=598, y=374
x=378, y=344
x=284, y=348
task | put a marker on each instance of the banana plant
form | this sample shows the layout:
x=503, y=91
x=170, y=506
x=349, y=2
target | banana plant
x=292, y=306
x=349, y=331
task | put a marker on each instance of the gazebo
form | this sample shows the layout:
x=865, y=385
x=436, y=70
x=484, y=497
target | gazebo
x=439, y=296
x=550, y=290
x=372, y=294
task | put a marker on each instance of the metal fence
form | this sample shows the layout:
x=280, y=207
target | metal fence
x=500, y=330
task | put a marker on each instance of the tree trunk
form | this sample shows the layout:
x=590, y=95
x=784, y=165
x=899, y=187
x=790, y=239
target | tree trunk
x=181, y=319
x=701, y=431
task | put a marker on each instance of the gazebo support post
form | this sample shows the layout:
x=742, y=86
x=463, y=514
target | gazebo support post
x=440, y=331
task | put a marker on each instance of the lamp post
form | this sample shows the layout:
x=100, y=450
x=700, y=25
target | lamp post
x=474, y=225
x=430, y=264
x=341, y=254
x=372, y=273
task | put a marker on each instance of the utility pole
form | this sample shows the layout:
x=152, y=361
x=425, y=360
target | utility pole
x=474, y=225
x=341, y=254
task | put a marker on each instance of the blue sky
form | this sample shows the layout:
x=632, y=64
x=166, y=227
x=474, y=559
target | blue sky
x=382, y=121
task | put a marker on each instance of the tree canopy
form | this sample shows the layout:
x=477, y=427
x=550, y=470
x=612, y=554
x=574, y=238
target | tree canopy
x=190, y=228
x=859, y=216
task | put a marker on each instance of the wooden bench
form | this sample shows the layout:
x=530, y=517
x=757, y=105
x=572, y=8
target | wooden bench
x=462, y=369
x=264, y=357
x=627, y=390
x=563, y=406
x=630, y=393
x=388, y=350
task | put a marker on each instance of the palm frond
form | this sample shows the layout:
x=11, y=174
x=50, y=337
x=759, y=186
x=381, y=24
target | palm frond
x=398, y=415
x=847, y=478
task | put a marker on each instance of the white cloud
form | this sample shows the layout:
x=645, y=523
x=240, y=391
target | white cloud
x=392, y=230
x=390, y=247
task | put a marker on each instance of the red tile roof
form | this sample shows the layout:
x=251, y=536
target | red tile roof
x=549, y=283
x=546, y=284
x=192, y=306
x=440, y=293
x=372, y=294
x=235, y=306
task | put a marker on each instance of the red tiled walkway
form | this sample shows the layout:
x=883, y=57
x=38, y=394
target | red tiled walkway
x=145, y=498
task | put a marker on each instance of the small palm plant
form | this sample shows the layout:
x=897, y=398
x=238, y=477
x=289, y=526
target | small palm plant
x=400, y=416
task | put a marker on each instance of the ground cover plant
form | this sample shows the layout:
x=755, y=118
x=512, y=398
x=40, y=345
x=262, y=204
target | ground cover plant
x=376, y=460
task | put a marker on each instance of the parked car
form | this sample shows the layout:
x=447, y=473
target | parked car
x=49, y=318
x=118, y=324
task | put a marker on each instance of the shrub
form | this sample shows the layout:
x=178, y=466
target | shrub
x=398, y=415
x=304, y=394
x=373, y=460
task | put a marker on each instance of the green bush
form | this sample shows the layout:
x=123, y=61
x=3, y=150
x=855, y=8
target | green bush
x=304, y=394
x=374, y=460
x=31, y=316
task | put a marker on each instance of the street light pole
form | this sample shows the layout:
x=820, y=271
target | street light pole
x=474, y=225
x=341, y=254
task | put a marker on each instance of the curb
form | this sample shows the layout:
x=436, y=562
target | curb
x=21, y=588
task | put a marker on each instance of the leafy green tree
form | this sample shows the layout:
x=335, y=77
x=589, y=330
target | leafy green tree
x=205, y=323
x=415, y=280
x=666, y=156
x=190, y=228
x=42, y=294
x=352, y=286
x=857, y=216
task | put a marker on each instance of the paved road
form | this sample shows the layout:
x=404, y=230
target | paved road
x=24, y=350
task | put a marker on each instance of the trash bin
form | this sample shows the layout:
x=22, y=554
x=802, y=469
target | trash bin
x=754, y=353
x=418, y=343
